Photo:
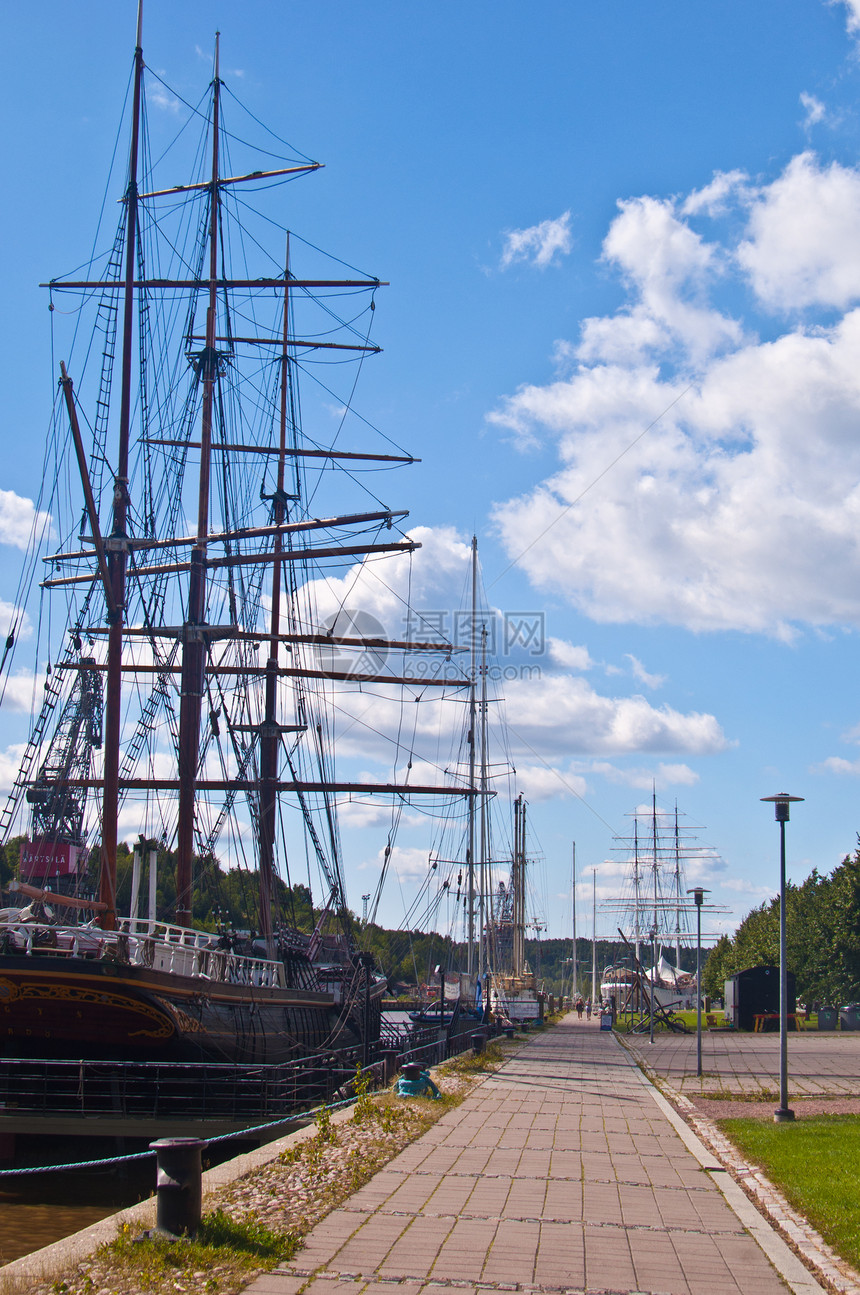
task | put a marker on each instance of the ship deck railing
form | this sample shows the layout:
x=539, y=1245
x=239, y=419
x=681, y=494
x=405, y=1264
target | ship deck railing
x=174, y=949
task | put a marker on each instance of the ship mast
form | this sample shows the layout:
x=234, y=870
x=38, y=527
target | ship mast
x=270, y=731
x=518, y=881
x=194, y=645
x=117, y=544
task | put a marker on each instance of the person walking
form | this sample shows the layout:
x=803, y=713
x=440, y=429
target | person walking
x=588, y=1010
x=580, y=1008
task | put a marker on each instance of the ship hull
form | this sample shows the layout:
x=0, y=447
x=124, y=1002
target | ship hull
x=105, y=1011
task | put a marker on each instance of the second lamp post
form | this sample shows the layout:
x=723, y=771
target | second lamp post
x=783, y=1113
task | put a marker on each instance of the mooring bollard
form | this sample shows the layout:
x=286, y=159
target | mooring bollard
x=509, y=1031
x=524, y=1026
x=477, y=1041
x=411, y=1071
x=179, y=1185
x=389, y=1064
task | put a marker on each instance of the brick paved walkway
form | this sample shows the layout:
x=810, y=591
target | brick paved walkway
x=819, y=1063
x=561, y=1173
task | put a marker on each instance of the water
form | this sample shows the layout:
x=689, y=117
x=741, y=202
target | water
x=42, y=1208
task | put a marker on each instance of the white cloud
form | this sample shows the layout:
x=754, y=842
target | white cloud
x=563, y=713
x=665, y=775
x=814, y=109
x=669, y=267
x=569, y=655
x=744, y=887
x=157, y=96
x=803, y=244
x=548, y=709
x=18, y=518
x=19, y=689
x=542, y=782
x=710, y=501
x=852, y=17
x=8, y=615
x=838, y=765
x=713, y=198
x=640, y=673
x=407, y=863
x=10, y=760
x=539, y=244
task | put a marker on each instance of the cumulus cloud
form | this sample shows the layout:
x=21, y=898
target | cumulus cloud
x=563, y=713
x=550, y=716
x=539, y=244
x=803, y=244
x=18, y=518
x=10, y=761
x=707, y=496
x=543, y=782
x=19, y=689
x=569, y=655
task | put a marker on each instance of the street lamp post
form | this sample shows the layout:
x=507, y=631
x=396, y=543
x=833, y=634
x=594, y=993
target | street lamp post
x=698, y=894
x=783, y=1113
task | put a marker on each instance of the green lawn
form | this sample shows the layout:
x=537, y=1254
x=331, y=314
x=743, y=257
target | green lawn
x=815, y=1162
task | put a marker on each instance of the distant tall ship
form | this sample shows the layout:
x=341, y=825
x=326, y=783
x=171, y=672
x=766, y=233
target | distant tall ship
x=654, y=910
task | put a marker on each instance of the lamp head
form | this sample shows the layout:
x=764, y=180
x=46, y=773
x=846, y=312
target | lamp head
x=781, y=804
x=698, y=893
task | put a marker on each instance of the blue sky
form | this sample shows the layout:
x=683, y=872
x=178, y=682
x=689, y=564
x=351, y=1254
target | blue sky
x=622, y=332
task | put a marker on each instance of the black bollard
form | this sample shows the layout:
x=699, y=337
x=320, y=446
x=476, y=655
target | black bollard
x=179, y=1185
x=411, y=1071
x=477, y=1041
x=389, y=1064
x=509, y=1031
x=524, y=1026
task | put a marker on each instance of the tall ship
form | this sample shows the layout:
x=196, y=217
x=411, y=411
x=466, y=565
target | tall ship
x=194, y=549
x=654, y=911
x=512, y=988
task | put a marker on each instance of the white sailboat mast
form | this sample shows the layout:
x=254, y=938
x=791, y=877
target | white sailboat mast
x=573, y=896
x=594, y=986
x=473, y=677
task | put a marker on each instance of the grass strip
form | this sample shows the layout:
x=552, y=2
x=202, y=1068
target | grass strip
x=815, y=1163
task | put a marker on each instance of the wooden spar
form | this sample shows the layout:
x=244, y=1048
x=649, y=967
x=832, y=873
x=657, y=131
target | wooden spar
x=243, y=533
x=296, y=342
x=213, y=632
x=194, y=646
x=252, y=785
x=50, y=897
x=299, y=453
x=92, y=512
x=241, y=560
x=234, y=179
x=284, y=672
x=117, y=557
x=200, y=284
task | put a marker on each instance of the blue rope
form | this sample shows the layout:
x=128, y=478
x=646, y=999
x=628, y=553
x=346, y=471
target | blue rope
x=144, y=1155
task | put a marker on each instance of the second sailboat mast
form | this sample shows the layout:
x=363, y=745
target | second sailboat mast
x=194, y=648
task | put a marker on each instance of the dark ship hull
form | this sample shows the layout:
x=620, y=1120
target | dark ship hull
x=91, y=1010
